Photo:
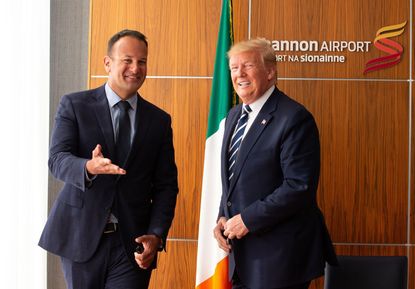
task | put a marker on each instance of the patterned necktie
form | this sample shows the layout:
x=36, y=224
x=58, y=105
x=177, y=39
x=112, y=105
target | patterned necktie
x=236, y=139
x=123, y=142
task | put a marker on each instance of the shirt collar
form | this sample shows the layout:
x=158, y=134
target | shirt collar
x=113, y=98
x=259, y=103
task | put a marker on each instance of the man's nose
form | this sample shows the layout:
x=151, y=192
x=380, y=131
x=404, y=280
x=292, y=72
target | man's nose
x=134, y=67
x=240, y=71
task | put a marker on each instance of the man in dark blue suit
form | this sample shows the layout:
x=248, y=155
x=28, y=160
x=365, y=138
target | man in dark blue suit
x=268, y=219
x=114, y=152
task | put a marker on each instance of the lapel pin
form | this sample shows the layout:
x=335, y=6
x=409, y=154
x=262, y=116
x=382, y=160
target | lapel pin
x=263, y=122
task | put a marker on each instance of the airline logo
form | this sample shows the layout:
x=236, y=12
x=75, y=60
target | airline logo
x=393, y=49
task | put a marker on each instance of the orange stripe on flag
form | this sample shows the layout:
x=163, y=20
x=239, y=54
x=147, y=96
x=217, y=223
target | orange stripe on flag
x=220, y=279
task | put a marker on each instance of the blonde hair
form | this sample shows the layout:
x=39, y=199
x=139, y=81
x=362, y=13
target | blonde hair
x=262, y=45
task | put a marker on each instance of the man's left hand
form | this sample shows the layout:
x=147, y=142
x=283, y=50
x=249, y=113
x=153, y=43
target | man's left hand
x=235, y=228
x=151, y=244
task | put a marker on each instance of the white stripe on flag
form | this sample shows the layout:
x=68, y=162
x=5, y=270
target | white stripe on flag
x=209, y=254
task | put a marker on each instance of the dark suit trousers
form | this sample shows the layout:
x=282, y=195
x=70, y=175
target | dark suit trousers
x=236, y=284
x=109, y=268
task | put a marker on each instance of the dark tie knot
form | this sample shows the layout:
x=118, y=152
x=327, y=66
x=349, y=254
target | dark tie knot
x=124, y=105
x=246, y=109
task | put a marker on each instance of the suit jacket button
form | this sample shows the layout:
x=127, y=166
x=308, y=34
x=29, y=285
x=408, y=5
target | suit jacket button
x=229, y=204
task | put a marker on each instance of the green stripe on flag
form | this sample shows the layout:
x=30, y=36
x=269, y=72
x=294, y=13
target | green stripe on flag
x=222, y=96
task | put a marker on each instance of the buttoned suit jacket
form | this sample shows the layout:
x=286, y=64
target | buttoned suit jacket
x=274, y=189
x=144, y=198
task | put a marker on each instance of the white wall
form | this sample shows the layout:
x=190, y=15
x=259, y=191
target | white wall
x=24, y=121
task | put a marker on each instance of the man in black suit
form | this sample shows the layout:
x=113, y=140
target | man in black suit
x=268, y=219
x=114, y=152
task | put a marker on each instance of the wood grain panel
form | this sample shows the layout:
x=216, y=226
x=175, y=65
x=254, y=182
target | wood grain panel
x=371, y=250
x=240, y=19
x=176, y=269
x=364, y=143
x=182, y=34
x=187, y=101
x=328, y=20
x=95, y=82
x=412, y=200
x=412, y=204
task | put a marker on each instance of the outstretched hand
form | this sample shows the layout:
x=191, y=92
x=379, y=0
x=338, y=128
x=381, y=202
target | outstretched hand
x=99, y=165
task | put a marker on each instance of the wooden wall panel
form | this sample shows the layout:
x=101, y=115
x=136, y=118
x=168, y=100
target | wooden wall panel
x=372, y=250
x=412, y=76
x=176, y=269
x=95, y=82
x=186, y=101
x=412, y=199
x=412, y=193
x=173, y=29
x=240, y=19
x=353, y=20
x=364, y=142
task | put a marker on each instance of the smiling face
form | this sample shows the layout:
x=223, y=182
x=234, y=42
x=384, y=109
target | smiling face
x=251, y=78
x=126, y=66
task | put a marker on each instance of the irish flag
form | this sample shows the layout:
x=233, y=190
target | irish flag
x=212, y=262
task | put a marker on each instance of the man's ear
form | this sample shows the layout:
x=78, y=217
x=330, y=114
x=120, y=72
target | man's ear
x=272, y=71
x=107, y=63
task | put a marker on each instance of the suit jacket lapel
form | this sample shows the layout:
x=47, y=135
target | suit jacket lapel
x=103, y=116
x=252, y=136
